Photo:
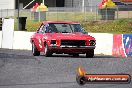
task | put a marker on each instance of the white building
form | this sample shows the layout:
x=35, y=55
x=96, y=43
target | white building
x=7, y=4
x=60, y=3
x=13, y=4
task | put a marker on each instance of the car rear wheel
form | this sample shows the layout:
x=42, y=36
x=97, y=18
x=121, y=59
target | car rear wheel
x=47, y=51
x=90, y=54
x=35, y=50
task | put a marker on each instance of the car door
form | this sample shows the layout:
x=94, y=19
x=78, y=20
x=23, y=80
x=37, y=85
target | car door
x=39, y=38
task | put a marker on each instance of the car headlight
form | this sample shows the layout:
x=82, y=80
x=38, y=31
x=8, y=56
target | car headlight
x=92, y=42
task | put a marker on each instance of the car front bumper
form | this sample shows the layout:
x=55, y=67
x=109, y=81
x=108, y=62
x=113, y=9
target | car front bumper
x=71, y=49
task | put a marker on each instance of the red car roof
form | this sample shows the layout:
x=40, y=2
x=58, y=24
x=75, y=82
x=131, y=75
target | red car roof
x=61, y=22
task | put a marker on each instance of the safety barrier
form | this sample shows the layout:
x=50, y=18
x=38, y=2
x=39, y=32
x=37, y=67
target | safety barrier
x=122, y=45
x=104, y=43
x=107, y=44
x=21, y=40
x=7, y=33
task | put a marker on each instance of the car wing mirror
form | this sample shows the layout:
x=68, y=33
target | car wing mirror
x=85, y=32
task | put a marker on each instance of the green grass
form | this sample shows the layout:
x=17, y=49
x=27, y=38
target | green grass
x=121, y=26
x=31, y=26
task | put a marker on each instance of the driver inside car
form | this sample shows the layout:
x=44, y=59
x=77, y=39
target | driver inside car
x=51, y=28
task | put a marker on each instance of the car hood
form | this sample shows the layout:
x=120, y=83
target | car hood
x=69, y=36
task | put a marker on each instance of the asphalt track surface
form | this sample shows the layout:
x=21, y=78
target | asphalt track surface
x=19, y=69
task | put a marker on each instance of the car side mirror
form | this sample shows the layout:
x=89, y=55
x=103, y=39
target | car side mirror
x=85, y=32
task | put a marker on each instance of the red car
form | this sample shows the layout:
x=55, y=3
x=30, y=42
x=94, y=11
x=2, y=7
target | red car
x=62, y=38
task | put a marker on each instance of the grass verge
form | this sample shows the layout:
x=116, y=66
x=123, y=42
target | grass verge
x=121, y=26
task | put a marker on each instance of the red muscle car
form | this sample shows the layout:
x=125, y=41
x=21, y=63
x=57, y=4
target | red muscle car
x=62, y=38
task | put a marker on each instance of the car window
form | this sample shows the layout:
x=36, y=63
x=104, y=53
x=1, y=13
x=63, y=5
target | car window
x=58, y=27
x=77, y=28
x=41, y=29
x=46, y=28
x=64, y=28
x=51, y=28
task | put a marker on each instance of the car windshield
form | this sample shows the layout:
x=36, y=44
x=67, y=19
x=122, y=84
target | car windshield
x=64, y=28
x=77, y=28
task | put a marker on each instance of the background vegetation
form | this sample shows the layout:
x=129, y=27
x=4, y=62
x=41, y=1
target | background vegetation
x=121, y=26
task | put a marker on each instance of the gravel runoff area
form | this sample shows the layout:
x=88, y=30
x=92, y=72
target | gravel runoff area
x=19, y=69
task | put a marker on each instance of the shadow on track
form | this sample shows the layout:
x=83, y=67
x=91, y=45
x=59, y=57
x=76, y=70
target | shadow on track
x=80, y=56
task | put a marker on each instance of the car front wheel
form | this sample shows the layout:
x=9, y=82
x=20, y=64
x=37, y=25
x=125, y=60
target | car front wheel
x=35, y=50
x=47, y=51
